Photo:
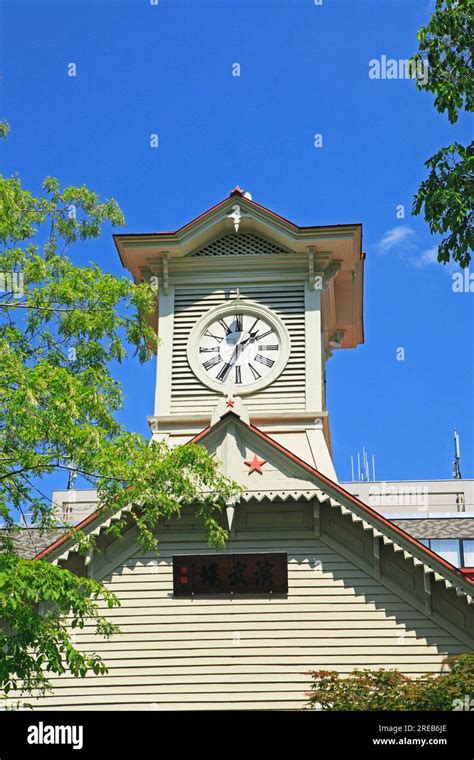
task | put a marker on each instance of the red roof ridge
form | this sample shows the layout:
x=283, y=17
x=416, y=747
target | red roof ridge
x=71, y=532
x=237, y=191
x=465, y=573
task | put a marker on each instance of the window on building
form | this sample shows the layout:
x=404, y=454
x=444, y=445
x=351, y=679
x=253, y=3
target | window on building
x=468, y=552
x=458, y=551
x=447, y=548
x=67, y=511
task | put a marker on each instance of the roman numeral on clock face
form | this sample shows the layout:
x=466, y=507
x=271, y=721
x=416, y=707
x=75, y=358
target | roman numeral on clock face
x=251, y=331
x=254, y=372
x=225, y=327
x=238, y=374
x=224, y=372
x=264, y=335
x=212, y=362
x=272, y=347
x=211, y=335
x=206, y=350
x=238, y=323
x=264, y=360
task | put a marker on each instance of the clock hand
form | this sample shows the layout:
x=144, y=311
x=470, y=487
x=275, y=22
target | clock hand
x=237, y=349
x=224, y=374
x=235, y=353
x=251, y=333
x=251, y=337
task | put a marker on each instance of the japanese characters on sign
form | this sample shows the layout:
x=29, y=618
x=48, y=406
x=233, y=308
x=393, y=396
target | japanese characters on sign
x=209, y=574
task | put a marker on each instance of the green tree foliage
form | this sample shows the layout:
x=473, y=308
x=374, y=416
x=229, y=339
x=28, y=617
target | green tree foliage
x=392, y=690
x=62, y=327
x=41, y=607
x=446, y=195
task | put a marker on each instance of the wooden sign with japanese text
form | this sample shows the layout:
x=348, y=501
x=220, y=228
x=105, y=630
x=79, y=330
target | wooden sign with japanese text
x=209, y=574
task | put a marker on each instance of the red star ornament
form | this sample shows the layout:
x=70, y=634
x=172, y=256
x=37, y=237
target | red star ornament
x=255, y=464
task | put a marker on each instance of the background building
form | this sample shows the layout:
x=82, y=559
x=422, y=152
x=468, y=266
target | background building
x=440, y=513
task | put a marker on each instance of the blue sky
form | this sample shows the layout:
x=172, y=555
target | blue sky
x=167, y=69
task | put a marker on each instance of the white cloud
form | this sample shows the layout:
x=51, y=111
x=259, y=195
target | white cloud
x=403, y=241
x=396, y=237
x=430, y=256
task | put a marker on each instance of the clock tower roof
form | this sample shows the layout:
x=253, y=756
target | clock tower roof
x=236, y=231
x=252, y=214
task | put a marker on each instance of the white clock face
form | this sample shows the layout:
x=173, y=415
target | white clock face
x=239, y=349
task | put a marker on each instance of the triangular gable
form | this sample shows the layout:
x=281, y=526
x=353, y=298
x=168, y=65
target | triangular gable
x=240, y=215
x=284, y=475
x=256, y=464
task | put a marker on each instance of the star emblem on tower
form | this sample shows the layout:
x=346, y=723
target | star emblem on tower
x=255, y=464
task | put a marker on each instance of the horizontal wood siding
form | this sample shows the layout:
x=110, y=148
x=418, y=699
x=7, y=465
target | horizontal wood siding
x=224, y=653
x=189, y=395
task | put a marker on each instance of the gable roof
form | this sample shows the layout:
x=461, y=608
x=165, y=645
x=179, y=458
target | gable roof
x=325, y=490
x=29, y=541
x=237, y=193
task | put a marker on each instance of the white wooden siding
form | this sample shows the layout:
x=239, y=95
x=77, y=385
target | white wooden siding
x=223, y=653
x=189, y=395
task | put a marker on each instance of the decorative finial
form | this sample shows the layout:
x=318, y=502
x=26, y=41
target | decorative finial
x=236, y=215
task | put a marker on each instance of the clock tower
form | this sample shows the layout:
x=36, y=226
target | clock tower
x=250, y=307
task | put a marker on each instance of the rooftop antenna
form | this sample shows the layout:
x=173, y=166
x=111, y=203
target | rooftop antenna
x=457, y=457
x=366, y=464
x=363, y=467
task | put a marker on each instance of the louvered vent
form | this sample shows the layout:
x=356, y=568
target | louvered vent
x=190, y=396
x=238, y=244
